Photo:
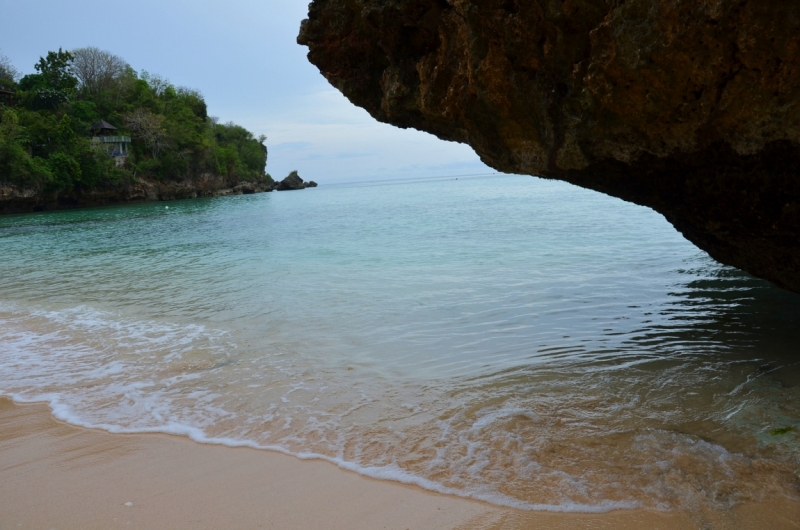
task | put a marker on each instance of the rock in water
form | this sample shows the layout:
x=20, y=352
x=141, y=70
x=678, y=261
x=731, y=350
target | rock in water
x=691, y=108
x=292, y=182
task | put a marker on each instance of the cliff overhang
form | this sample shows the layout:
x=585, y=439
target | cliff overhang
x=689, y=107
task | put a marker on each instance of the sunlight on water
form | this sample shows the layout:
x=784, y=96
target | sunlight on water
x=510, y=339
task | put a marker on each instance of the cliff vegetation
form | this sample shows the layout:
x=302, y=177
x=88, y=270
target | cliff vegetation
x=47, y=145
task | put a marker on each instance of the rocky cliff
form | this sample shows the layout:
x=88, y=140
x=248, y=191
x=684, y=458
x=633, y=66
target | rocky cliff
x=690, y=107
x=14, y=199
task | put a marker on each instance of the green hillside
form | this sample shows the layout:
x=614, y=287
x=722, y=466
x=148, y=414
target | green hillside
x=47, y=140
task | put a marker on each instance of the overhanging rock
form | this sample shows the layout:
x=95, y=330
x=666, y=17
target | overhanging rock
x=689, y=107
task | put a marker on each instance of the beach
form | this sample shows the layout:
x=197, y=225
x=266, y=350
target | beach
x=54, y=475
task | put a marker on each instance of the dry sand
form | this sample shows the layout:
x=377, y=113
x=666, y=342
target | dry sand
x=54, y=475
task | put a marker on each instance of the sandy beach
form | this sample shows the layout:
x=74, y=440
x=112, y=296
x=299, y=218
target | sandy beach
x=54, y=475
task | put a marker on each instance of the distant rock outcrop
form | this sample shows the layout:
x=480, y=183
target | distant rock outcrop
x=691, y=108
x=294, y=182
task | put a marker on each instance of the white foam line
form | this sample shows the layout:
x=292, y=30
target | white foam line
x=64, y=413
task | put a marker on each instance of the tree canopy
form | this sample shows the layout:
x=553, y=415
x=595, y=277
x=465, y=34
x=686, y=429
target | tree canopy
x=8, y=74
x=46, y=138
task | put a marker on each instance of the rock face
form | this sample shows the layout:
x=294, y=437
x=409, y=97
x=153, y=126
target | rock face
x=294, y=182
x=690, y=107
x=16, y=200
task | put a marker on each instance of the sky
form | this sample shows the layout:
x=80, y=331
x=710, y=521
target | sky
x=243, y=56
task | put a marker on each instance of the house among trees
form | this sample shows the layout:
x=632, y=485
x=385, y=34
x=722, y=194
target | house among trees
x=7, y=74
x=117, y=146
x=6, y=97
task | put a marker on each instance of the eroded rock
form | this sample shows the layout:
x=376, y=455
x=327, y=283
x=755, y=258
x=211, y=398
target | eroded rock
x=294, y=182
x=689, y=107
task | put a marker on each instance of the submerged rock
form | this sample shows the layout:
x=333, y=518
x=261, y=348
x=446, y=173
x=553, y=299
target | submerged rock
x=690, y=108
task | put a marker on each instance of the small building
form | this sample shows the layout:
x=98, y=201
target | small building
x=6, y=97
x=117, y=146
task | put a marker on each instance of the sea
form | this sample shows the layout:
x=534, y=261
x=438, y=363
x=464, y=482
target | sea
x=504, y=338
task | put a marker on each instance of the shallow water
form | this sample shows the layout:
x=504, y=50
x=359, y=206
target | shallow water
x=510, y=339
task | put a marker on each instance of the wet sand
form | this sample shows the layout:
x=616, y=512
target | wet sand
x=54, y=475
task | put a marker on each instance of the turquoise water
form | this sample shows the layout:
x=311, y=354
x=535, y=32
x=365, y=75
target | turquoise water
x=510, y=339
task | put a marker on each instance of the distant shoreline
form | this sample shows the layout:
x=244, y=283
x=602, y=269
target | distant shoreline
x=17, y=200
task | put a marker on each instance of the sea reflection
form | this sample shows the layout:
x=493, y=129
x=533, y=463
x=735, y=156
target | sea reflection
x=725, y=310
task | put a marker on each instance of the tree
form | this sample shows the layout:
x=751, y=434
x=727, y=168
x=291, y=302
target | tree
x=159, y=85
x=56, y=70
x=249, y=153
x=149, y=128
x=16, y=164
x=8, y=73
x=53, y=85
x=97, y=70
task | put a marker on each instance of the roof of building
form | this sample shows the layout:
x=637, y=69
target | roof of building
x=103, y=125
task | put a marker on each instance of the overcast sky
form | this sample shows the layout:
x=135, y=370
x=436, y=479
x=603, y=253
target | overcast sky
x=242, y=55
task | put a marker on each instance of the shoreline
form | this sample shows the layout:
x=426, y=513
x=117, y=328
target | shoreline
x=16, y=200
x=54, y=474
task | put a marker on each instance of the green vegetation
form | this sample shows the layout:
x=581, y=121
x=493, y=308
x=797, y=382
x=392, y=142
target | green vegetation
x=781, y=431
x=46, y=119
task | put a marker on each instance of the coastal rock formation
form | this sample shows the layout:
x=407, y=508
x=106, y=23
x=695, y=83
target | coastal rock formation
x=293, y=182
x=689, y=107
x=14, y=199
